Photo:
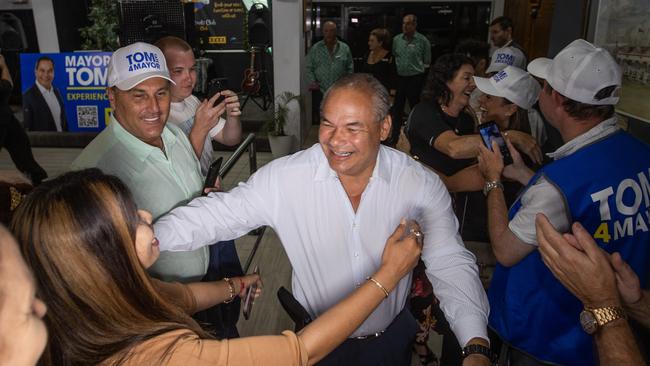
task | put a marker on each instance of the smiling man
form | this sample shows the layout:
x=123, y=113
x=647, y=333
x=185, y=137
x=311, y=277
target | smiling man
x=333, y=206
x=155, y=160
x=43, y=108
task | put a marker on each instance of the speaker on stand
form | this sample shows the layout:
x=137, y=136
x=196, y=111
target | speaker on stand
x=256, y=83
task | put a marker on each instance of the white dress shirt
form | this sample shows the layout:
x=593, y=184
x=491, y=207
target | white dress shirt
x=544, y=197
x=331, y=247
x=52, y=103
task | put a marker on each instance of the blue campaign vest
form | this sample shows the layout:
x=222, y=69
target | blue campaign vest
x=530, y=309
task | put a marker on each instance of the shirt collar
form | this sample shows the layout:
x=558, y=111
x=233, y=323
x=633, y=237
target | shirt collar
x=597, y=132
x=381, y=169
x=138, y=148
x=43, y=89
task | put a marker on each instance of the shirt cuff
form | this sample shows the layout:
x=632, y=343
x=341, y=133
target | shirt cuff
x=470, y=326
x=216, y=129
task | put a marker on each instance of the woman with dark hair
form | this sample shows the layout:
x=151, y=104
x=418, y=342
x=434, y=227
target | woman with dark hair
x=380, y=61
x=88, y=247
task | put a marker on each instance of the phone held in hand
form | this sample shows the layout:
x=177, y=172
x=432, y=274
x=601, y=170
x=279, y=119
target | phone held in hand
x=248, y=299
x=214, y=87
x=489, y=132
x=213, y=174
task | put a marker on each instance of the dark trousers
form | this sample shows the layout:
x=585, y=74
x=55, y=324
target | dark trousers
x=14, y=138
x=222, y=319
x=391, y=348
x=408, y=87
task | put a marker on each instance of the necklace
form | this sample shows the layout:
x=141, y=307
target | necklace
x=375, y=57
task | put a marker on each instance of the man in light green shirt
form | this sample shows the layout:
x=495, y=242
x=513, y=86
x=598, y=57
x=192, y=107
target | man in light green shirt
x=155, y=160
x=412, y=53
x=327, y=61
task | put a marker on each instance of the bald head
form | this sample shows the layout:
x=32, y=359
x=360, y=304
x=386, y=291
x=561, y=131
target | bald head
x=409, y=24
x=329, y=32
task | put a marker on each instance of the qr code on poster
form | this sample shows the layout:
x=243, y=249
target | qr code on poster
x=87, y=116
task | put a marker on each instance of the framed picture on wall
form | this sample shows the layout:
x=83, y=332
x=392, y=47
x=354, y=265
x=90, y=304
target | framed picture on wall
x=623, y=28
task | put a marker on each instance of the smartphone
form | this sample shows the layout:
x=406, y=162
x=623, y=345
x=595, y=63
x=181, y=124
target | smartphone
x=490, y=132
x=213, y=173
x=216, y=86
x=248, y=300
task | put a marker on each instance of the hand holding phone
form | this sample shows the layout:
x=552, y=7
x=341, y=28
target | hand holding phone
x=213, y=174
x=215, y=87
x=250, y=293
x=489, y=132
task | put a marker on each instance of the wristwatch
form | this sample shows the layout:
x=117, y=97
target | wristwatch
x=480, y=349
x=491, y=185
x=593, y=319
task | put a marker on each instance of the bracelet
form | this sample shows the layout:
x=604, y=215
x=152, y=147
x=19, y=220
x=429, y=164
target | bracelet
x=378, y=285
x=231, y=288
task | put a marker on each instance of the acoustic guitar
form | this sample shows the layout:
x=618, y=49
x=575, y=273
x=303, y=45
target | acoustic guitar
x=251, y=83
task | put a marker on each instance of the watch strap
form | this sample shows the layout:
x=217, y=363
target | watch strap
x=607, y=314
x=480, y=349
x=492, y=185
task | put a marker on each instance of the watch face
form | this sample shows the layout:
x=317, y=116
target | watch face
x=588, y=322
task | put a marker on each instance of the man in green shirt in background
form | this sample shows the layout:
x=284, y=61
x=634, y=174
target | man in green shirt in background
x=412, y=53
x=327, y=61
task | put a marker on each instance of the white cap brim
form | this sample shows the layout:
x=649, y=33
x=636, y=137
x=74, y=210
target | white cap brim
x=539, y=67
x=129, y=83
x=484, y=85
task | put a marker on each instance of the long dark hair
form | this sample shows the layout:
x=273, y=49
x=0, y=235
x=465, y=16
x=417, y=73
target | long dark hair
x=442, y=71
x=77, y=233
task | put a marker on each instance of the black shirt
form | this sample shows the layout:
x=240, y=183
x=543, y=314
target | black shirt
x=426, y=123
x=383, y=70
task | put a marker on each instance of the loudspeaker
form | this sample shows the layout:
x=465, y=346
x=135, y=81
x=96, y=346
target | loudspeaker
x=12, y=35
x=259, y=26
x=150, y=20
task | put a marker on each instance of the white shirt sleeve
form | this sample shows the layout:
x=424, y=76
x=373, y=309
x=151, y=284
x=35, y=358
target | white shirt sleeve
x=542, y=197
x=219, y=216
x=452, y=269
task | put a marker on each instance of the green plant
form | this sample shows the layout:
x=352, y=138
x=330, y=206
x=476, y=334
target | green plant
x=100, y=34
x=275, y=125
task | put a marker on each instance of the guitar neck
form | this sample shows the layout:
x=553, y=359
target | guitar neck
x=252, y=59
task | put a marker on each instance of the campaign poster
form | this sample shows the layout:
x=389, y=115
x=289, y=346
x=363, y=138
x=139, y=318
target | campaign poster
x=220, y=24
x=80, y=79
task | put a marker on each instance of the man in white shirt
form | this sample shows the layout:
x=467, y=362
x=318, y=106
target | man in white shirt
x=201, y=121
x=333, y=206
x=42, y=103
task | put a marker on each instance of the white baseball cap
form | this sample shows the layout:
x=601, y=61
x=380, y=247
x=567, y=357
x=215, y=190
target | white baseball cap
x=579, y=72
x=506, y=56
x=511, y=83
x=135, y=63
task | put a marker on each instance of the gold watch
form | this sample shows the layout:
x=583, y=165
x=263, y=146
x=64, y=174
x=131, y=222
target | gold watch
x=593, y=319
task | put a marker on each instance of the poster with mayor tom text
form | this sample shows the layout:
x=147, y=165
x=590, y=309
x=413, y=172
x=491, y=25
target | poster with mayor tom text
x=80, y=78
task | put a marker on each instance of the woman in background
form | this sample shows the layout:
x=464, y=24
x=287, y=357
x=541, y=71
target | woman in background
x=88, y=248
x=380, y=61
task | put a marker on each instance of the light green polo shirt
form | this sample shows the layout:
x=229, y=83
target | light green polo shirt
x=158, y=183
x=326, y=68
x=411, y=57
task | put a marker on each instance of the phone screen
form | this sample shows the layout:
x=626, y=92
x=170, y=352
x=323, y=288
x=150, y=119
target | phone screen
x=490, y=133
x=248, y=300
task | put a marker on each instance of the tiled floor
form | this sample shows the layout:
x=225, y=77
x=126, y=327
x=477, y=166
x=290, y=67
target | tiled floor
x=267, y=316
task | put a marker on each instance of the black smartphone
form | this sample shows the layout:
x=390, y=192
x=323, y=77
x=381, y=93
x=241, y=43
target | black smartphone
x=213, y=173
x=248, y=300
x=216, y=86
x=490, y=132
